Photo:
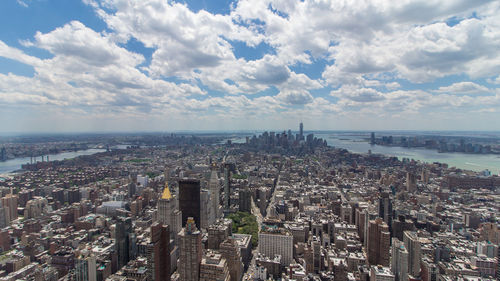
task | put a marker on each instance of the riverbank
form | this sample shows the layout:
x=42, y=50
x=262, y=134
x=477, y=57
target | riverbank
x=13, y=166
x=474, y=162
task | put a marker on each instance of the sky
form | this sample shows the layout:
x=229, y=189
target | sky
x=157, y=65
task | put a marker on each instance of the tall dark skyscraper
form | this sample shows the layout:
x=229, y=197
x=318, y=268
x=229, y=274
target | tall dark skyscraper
x=245, y=197
x=189, y=200
x=372, y=138
x=385, y=208
x=123, y=230
x=159, y=254
x=301, y=131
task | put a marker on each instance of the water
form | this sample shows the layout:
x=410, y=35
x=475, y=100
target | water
x=12, y=165
x=356, y=143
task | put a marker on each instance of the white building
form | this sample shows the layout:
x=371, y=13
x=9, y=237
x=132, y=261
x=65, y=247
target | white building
x=214, y=188
x=142, y=181
x=488, y=249
x=381, y=273
x=412, y=245
x=277, y=243
x=168, y=213
x=399, y=260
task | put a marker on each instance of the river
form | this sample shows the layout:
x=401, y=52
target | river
x=354, y=142
x=12, y=165
x=357, y=144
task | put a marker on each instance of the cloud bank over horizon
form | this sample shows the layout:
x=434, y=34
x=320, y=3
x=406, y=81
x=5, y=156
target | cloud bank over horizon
x=156, y=65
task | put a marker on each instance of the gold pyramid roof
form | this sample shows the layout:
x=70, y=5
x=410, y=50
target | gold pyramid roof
x=166, y=192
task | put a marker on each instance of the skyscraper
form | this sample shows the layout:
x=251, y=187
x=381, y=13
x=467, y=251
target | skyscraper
x=385, y=208
x=123, y=231
x=189, y=200
x=159, y=253
x=227, y=185
x=207, y=216
x=372, y=138
x=168, y=212
x=301, y=131
x=10, y=201
x=378, y=242
x=399, y=260
x=411, y=182
x=85, y=267
x=245, y=200
x=190, y=252
x=231, y=252
x=213, y=186
x=412, y=244
x=218, y=232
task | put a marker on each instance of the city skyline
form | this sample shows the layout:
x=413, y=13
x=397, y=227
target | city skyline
x=124, y=66
x=276, y=206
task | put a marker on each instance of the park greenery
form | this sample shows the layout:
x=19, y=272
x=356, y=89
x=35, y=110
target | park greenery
x=246, y=223
x=240, y=177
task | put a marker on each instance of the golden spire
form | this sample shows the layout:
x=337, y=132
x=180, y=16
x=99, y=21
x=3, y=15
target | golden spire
x=166, y=192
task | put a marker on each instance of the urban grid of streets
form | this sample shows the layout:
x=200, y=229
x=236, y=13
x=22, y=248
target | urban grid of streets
x=351, y=216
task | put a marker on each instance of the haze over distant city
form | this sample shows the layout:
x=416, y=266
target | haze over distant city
x=116, y=65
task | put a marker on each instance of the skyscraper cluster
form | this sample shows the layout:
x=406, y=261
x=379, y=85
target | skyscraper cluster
x=306, y=212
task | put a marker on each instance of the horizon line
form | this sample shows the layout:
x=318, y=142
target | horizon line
x=197, y=131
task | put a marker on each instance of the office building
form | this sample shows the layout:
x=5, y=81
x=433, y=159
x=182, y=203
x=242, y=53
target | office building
x=378, y=242
x=168, y=212
x=10, y=202
x=159, y=254
x=207, y=217
x=385, y=208
x=85, y=267
x=227, y=185
x=190, y=252
x=189, y=200
x=399, y=260
x=214, y=188
x=231, y=252
x=213, y=267
x=487, y=248
x=412, y=244
x=411, y=182
x=218, y=232
x=245, y=200
x=123, y=231
x=277, y=242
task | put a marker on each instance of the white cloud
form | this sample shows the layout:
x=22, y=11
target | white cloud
x=358, y=94
x=371, y=52
x=295, y=97
x=183, y=40
x=18, y=55
x=22, y=3
x=465, y=88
